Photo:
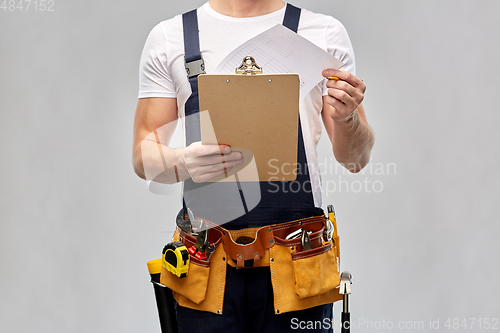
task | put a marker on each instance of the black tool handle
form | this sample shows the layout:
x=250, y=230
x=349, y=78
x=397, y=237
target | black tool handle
x=166, y=308
x=346, y=322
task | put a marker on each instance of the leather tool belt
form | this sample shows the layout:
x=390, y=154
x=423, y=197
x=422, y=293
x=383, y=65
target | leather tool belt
x=301, y=278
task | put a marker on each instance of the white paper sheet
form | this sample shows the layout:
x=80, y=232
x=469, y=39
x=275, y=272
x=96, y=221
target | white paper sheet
x=280, y=50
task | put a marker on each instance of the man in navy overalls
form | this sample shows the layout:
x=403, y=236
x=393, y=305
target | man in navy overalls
x=344, y=119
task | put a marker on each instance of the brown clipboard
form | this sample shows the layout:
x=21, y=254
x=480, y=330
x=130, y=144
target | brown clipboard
x=256, y=114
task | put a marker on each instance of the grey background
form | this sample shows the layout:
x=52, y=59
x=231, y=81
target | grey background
x=77, y=226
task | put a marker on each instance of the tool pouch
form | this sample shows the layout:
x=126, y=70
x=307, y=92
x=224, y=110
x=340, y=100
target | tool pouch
x=194, y=285
x=303, y=279
x=315, y=271
x=203, y=287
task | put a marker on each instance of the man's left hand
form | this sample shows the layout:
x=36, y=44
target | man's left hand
x=344, y=94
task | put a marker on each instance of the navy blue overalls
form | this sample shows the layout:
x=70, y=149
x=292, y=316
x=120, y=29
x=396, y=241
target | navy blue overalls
x=248, y=299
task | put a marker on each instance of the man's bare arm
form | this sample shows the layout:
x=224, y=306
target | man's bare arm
x=151, y=154
x=152, y=158
x=345, y=120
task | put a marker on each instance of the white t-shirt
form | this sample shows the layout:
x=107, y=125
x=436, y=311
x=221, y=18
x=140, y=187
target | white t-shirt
x=162, y=72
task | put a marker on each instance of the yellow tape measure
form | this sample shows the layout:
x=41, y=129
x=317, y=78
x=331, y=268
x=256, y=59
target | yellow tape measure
x=175, y=258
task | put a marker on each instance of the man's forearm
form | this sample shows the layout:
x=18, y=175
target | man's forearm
x=160, y=163
x=352, y=143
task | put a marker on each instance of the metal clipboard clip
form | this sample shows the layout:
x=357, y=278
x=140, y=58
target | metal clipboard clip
x=248, y=67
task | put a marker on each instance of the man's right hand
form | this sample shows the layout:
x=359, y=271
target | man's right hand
x=204, y=162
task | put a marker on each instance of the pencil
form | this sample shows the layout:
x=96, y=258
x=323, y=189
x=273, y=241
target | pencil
x=336, y=78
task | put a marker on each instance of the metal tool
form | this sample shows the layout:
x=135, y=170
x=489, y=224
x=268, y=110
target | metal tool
x=210, y=250
x=328, y=232
x=294, y=234
x=201, y=245
x=182, y=223
x=186, y=221
x=196, y=224
x=345, y=289
x=305, y=240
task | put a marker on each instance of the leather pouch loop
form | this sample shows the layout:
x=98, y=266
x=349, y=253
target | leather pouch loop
x=315, y=271
x=249, y=255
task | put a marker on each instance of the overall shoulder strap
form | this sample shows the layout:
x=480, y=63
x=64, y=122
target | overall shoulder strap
x=192, y=55
x=194, y=66
x=292, y=17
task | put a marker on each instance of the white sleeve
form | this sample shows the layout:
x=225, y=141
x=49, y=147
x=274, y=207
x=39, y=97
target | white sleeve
x=154, y=75
x=339, y=45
